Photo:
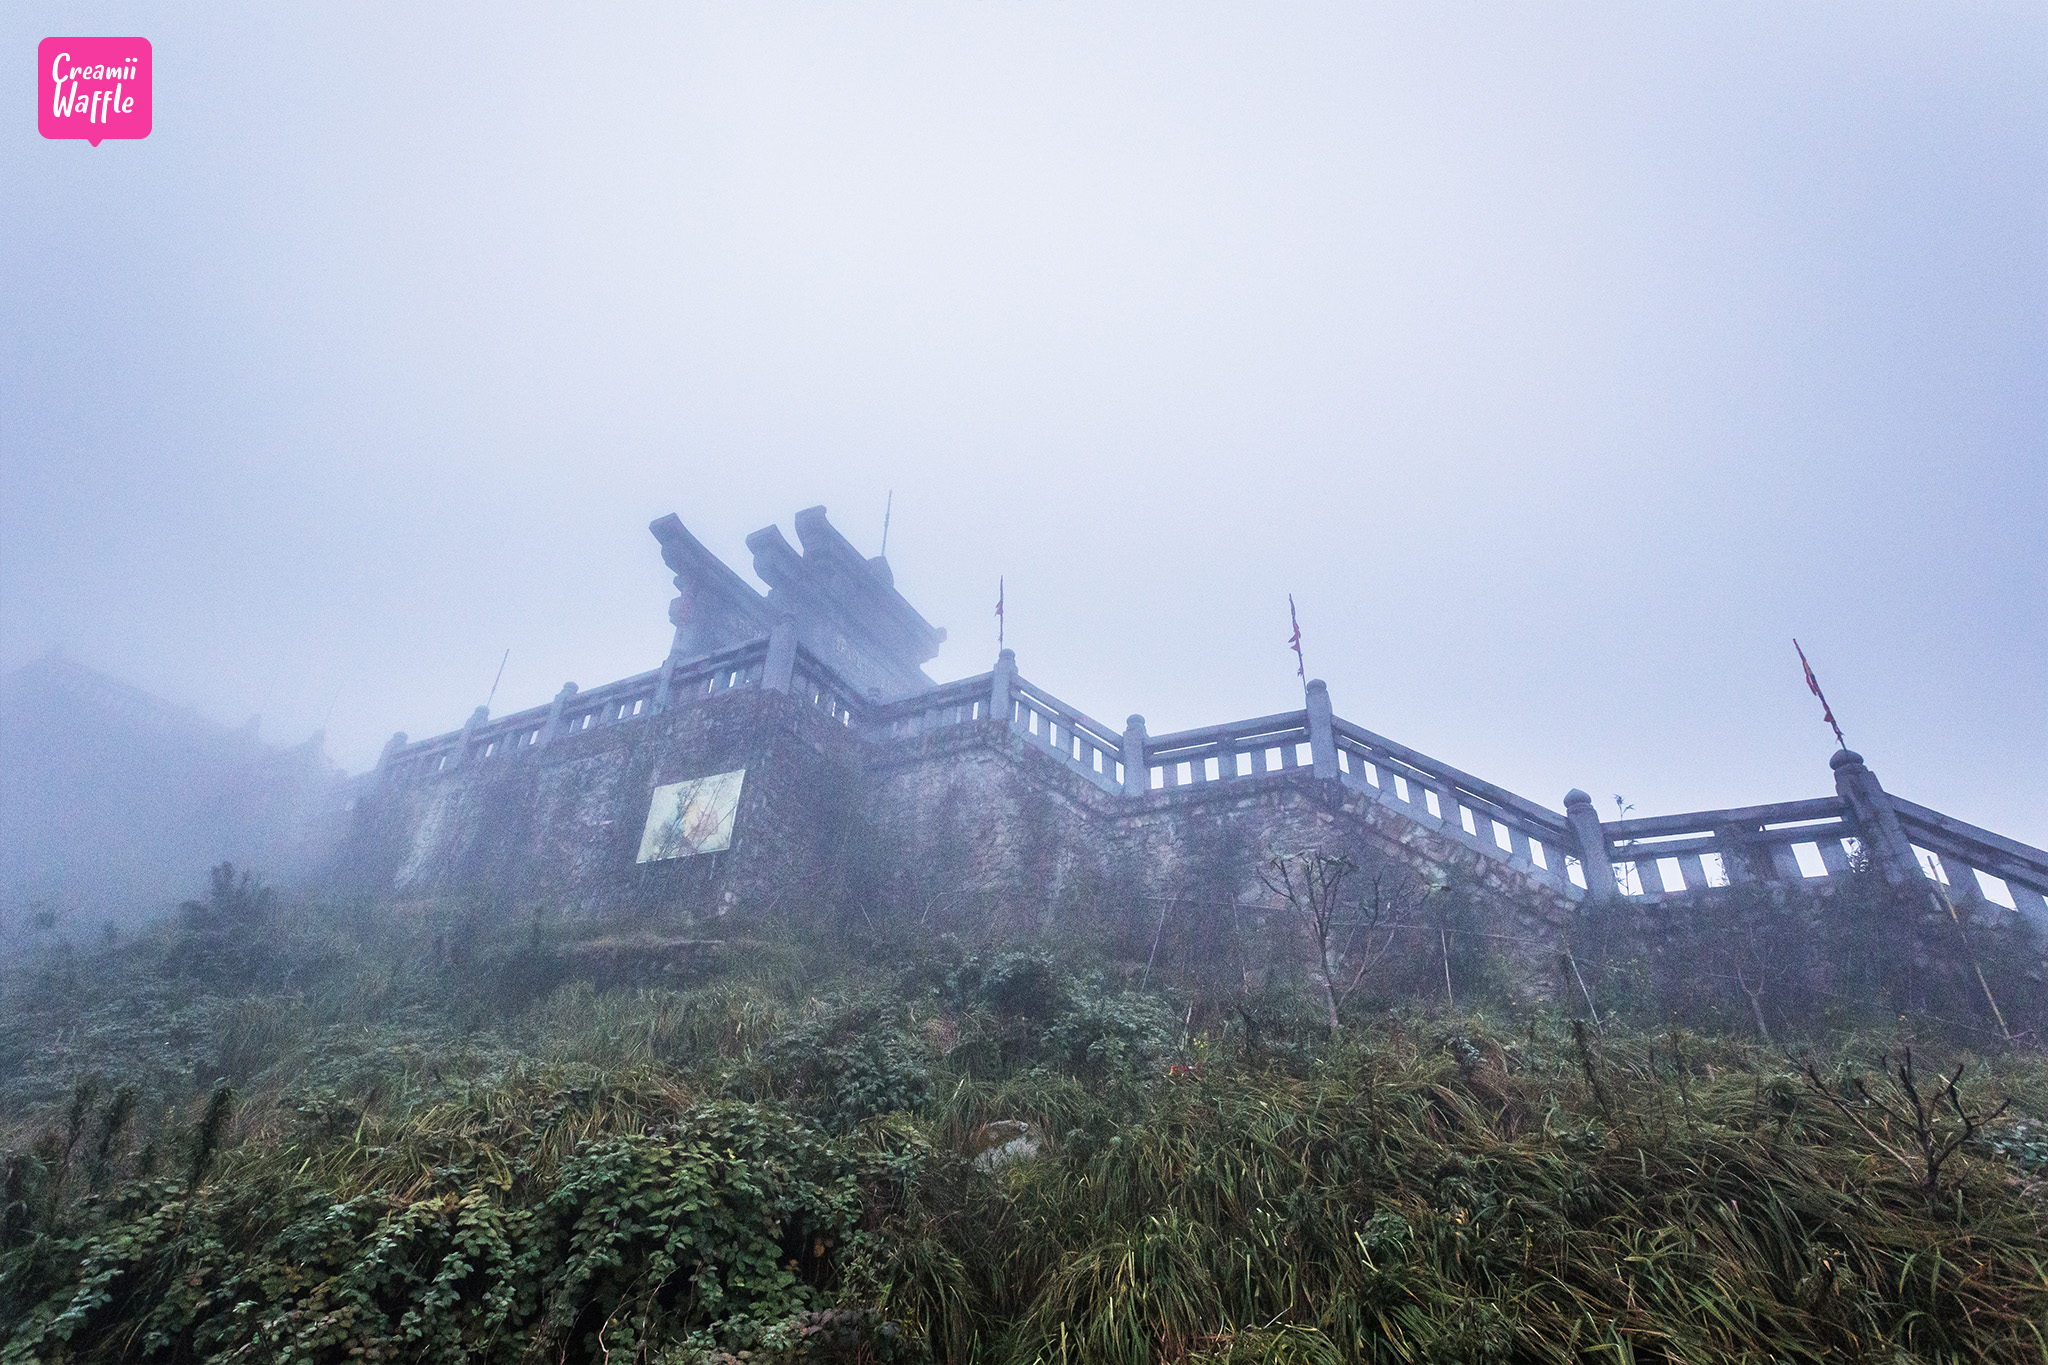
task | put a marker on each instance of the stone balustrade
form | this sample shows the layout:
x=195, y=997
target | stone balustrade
x=1574, y=853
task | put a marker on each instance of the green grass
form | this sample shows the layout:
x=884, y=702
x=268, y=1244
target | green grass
x=439, y=1155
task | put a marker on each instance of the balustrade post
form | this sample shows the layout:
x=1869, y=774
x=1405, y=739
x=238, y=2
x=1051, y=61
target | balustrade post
x=1738, y=852
x=1518, y=846
x=469, y=729
x=779, y=671
x=1322, y=732
x=1962, y=880
x=1784, y=864
x=664, y=682
x=1452, y=809
x=392, y=746
x=2031, y=904
x=1137, y=777
x=553, y=729
x=1877, y=824
x=1226, y=760
x=1593, y=859
x=1003, y=688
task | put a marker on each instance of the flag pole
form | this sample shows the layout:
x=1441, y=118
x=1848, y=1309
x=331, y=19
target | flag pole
x=1000, y=619
x=1294, y=642
x=495, y=681
x=1813, y=685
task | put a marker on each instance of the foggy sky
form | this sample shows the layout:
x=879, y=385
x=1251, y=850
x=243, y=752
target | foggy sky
x=1563, y=362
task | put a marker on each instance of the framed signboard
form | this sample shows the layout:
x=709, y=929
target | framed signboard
x=691, y=817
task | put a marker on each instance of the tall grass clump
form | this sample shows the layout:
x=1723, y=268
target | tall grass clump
x=434, y=1132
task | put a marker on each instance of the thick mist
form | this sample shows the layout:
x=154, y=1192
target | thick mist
x=1562, y=365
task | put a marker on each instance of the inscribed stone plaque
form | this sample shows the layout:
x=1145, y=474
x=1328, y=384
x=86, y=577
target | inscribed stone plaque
x=690, y=817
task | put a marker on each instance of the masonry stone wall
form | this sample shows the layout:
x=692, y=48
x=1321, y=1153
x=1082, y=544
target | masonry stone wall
x=967, y=827
x=987, y=802
x=561, y=823
x=986, y=826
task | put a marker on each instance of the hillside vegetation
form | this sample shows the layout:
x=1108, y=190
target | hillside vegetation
x=314, y=1131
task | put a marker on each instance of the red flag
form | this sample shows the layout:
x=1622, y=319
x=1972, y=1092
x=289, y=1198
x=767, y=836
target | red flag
x=1813, y=685
x=999, y=612
x=1294, y=641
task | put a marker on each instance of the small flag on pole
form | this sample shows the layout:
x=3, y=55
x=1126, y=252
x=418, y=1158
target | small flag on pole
x=1813, y=685
x=999, y=612
x=1294, y=641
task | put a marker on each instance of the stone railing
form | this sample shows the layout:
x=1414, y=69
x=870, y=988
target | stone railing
x=1086, y=745
x=1649, y=858
x=1669, y=854
x=1797, y=842
x=1575, y=852
x=1218, y=753
x=1472, y=811
x=952, y=703
x=574, y=712
x=811, y=681
x=1964, y=854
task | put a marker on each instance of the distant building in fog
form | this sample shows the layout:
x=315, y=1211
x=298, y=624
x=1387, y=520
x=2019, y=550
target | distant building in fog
x=114, y=803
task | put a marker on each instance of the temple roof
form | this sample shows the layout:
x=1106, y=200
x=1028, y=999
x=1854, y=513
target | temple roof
x=846, y=608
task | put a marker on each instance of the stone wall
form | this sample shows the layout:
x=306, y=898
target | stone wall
x=971, y=827
x=560, y=824
x=986, y=826
x=989, y=800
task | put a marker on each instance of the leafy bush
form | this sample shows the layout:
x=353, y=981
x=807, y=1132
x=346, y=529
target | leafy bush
x=1101, y=1034
x=699, y=1232
x=1015, y=984
x=847, y=1062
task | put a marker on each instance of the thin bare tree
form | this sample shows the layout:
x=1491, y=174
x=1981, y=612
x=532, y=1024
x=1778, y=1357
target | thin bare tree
x=1331, y=894
x=1311, y=883
x=1378, y=908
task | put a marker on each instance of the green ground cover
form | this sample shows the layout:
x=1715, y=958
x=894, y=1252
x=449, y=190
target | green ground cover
x=329, y=1132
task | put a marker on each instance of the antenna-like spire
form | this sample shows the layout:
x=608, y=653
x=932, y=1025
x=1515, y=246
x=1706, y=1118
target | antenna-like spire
x=495, y=681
